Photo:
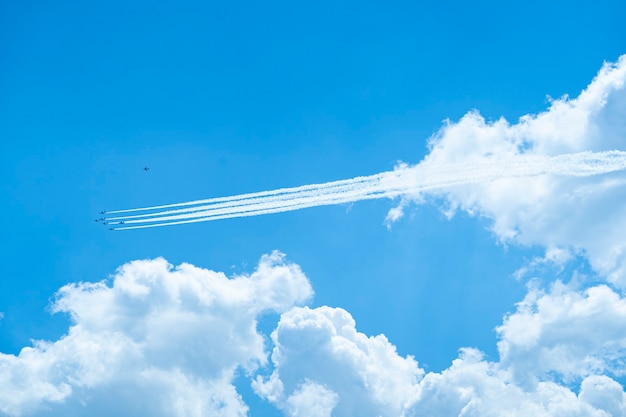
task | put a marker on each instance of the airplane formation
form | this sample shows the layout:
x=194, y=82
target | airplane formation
x=103, y=220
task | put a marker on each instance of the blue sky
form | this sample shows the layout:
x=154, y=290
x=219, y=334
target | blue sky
x=224, y=99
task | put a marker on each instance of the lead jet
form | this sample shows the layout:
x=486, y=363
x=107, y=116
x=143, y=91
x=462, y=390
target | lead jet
x=146, y=168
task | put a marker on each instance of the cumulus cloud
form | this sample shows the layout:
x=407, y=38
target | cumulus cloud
x=565, y=331
x=550, y=344
x=473, y=387
x=554, y=338
x=579, y=214
x=321, y=348
x=554, y=341
x=167, y=341
x=311, y=400
x=162, y=340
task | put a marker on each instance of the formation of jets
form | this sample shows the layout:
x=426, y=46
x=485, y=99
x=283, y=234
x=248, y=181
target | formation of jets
x=102, y=220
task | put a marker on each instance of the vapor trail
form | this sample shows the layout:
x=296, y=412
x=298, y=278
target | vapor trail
x=403, y=181
x=249, y=199
x=248, y=196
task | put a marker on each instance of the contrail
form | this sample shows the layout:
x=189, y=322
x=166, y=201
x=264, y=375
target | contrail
x=405, y=180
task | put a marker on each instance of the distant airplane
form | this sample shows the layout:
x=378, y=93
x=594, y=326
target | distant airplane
x=121, y=221
x=97, y=220
x=102, y=212
x=146, y=168
x=110, y=228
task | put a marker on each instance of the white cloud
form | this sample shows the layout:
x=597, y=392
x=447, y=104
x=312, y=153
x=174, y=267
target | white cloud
x=582, y=214
x=552, y=342
x=311, y=400
x=323, y=364
x=162, y=340
x=168, y=342
x=473, y=387
x=605, y=394
x=365, y=375
x=565, y=331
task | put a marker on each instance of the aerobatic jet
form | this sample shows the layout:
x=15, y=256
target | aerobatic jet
x=146, y=168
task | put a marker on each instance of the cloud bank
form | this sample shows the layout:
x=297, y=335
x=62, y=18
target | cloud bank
x=553, y=339
x=158, y=341
x=169, y=342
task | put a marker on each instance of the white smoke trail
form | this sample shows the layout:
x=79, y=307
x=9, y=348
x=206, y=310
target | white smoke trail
x=250, y=196
x=253, y=198
x=402, y=181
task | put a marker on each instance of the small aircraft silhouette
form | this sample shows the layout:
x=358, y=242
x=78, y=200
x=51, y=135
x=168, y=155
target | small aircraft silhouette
x=146, y=168
x=121, y=221
x=102, y=212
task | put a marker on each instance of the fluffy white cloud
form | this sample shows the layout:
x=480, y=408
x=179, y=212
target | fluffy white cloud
x=311, y=400
x=159, y=340
x=321, y=348
x=568, y=332
x=167, y=342
x=553, y=341
x=473, y=387
x=324, y=366
x=583, y=215
x=605, y=394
